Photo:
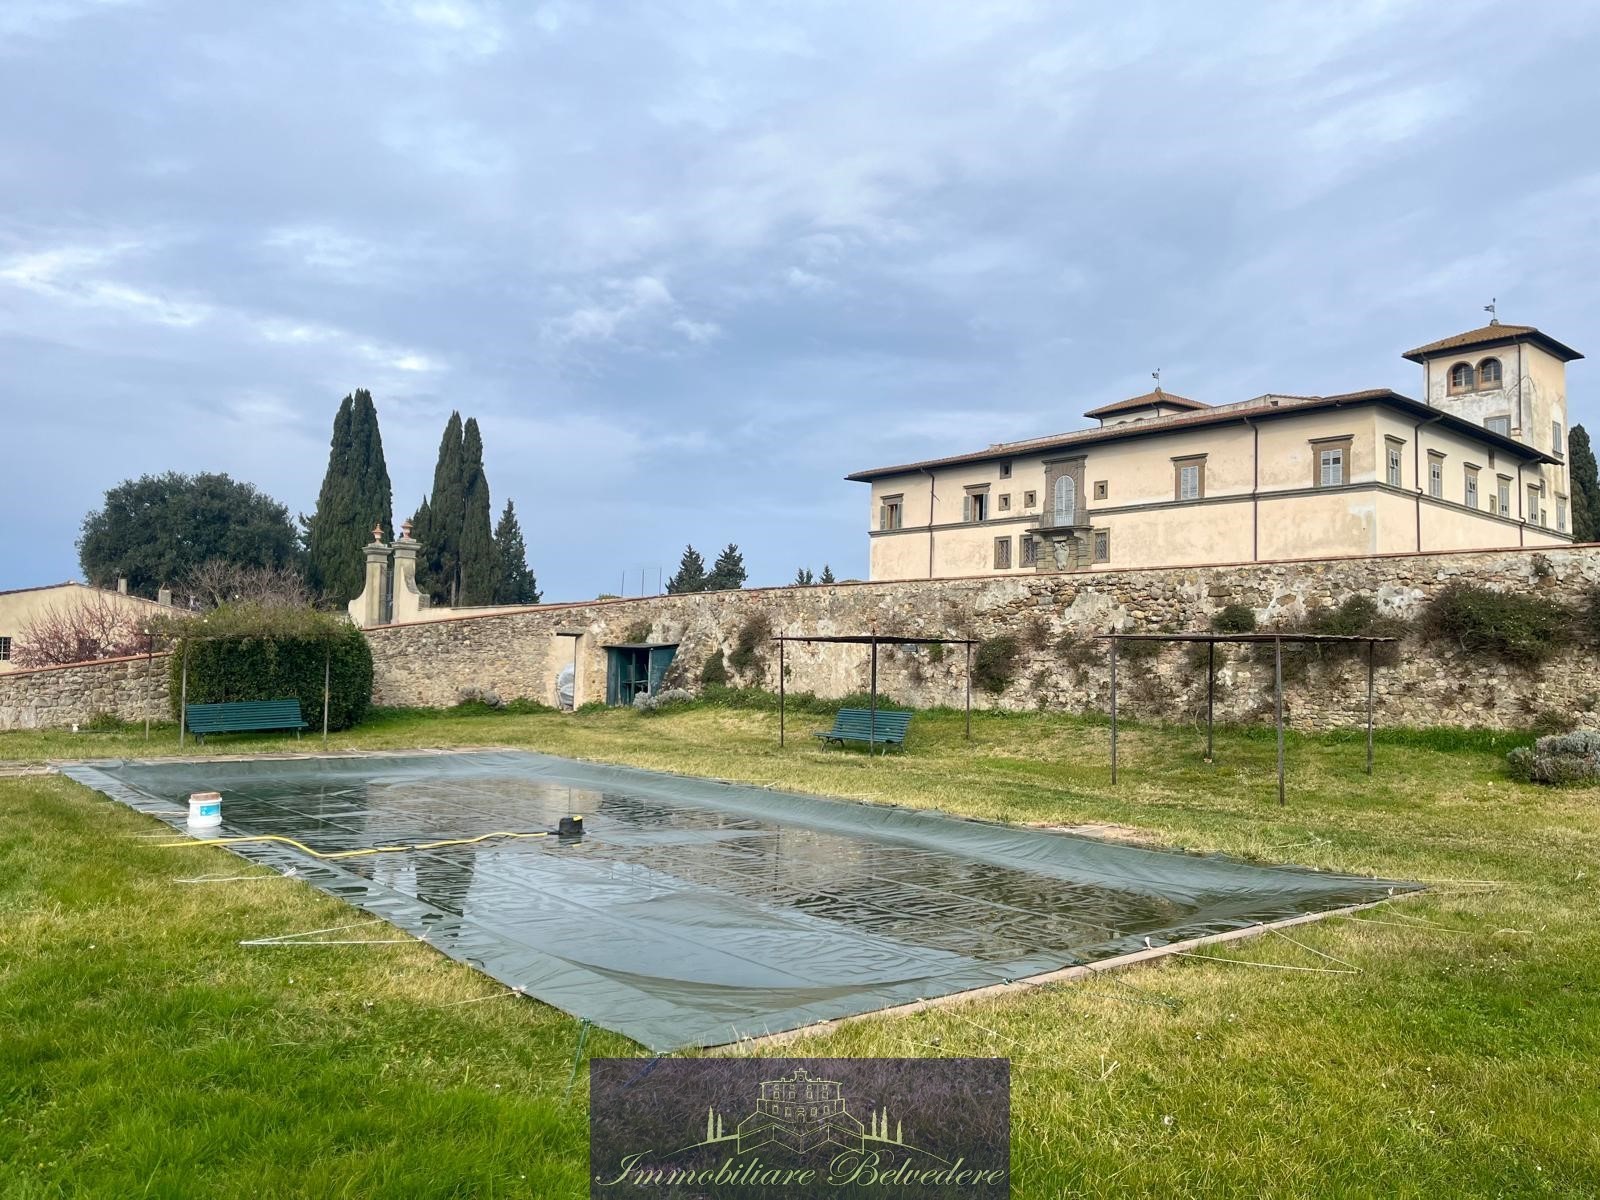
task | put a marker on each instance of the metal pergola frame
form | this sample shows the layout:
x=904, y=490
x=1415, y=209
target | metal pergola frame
x=1210, y=640
x=873, y=640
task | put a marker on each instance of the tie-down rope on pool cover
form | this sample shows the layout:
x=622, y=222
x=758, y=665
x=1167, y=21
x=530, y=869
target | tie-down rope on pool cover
x=698, y=913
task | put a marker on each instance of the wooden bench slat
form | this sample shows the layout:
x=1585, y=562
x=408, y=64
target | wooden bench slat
x=886, y=727
x=243, y=716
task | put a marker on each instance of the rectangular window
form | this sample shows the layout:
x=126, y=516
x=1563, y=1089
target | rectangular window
x=1533, y=505
x=1030, y=499
x=1002, y=554
x=1470, y=495
x=1392, y=468
x=1005, y=501
x=891, y=512
x=1102, y=545
x=1030, y=551
x=1005, y=470
x=1102, y=488
x=5, y=649
x=1188, y=481
x=1330, y=466
x=1436, y=475
x=1561, y=515
x=1505, y=495
x=1557, y=446
x=975, y=507
x=1500, y=425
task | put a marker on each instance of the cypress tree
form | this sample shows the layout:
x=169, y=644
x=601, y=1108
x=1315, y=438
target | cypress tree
x=728, y=571
x=691, y=574
x=1585, y=486
x=803, y=578
x=479, y=571
x=827, y=574
x=516, y=584
x=439, y=521
x=355, y=496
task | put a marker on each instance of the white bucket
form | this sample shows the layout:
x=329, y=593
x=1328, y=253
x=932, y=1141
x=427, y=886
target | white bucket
x=205, y=810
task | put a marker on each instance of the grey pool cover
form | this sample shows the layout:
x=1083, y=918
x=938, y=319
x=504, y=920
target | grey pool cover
x=694, y=912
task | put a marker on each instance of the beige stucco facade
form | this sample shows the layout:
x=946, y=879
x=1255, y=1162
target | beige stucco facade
x=20, y=608
x=1277, y=477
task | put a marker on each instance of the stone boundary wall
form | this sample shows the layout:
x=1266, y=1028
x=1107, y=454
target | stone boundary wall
x=58, y=697
x=1053, y=616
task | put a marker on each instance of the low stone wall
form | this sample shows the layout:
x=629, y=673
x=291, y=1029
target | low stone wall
x=58, y=697
x=1053, y=617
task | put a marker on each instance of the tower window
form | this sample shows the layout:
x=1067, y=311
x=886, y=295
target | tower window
x=1489, y=373
x=1500, y=425
x=1461, y=377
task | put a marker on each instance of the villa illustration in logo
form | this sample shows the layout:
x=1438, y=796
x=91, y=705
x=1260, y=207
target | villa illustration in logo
x=799, y=1113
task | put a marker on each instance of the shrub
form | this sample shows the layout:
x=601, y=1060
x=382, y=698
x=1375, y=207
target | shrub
x=1522, y=630
x=715, y=672
x=486, y=696
x=666, y=699
x=1035, y=632
x=639, y=631
x=753, y=634
x=935, y=651
x=994, y=665
x=1558, y=759
x=1234, y=618
x=257, y=652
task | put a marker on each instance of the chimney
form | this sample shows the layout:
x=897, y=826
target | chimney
x=122, y=584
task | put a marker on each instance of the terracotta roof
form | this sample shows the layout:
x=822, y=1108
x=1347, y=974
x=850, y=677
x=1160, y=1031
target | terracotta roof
x=1265, y=408
x=1494, y=334
x=66, y=583
x=1148, y=400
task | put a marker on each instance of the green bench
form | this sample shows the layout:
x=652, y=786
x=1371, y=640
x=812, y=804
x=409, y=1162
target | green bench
x=885, y=728
x=237, y=716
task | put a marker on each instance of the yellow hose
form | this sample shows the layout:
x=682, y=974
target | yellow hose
x=289, y=841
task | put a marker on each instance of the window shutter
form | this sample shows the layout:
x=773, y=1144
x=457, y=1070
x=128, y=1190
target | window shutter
x=883, y=516
x=966, y=508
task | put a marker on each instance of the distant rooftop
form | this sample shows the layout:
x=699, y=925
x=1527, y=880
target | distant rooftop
x=1493, y=334
x=1155, y=399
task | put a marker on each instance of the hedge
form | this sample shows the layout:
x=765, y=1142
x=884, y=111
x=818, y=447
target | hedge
x=256, y=652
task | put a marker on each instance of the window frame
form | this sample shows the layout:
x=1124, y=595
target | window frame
x=1002, y=553
x=1186, y=462
x=1535, y=507
x=1488, y=423
x=976, y=497
x=1436, y=474
x=1102, y=489
x=1100, y=546
x=897, y=503
x=1502, y=493
x=1499, y=373
x=1005, y=470
x=1561, y=514
x=5, y=647
x=1557, y=439
x=1030, y=499
x=1394, y=462
x=1004, y=504
x=1455, y=388
x=1027, y=551
x=1344, y=446
x=1470, y=493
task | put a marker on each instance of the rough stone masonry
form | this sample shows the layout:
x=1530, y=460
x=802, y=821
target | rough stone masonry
x=1052, y=617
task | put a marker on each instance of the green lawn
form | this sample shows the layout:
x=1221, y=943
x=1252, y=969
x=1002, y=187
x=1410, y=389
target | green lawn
x=143, y=1052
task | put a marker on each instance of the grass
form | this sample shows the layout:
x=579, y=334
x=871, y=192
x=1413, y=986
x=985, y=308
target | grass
x=145, y=1053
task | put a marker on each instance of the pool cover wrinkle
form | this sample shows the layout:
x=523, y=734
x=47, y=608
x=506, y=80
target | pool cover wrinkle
x=696, y=912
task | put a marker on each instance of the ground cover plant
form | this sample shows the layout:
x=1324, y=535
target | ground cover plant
x=146, y=1053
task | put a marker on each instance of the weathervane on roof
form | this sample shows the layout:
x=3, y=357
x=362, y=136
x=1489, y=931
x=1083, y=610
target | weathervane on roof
x=1156, y=375
x=1490, y=309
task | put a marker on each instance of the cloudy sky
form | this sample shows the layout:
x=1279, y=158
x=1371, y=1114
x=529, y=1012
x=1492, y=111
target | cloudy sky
x=690, y=263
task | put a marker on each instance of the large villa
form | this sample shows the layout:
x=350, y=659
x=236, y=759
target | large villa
x=1161, y=480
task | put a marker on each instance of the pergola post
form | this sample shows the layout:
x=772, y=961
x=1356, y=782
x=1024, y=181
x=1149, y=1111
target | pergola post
x=1277, y=646
x=1371, y=646
x=780, y=691
x=1211, y=697
x=872, y=726
x=183, y=696
x=969, y=690
x=1113, y=711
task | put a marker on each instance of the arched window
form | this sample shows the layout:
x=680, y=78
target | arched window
x=1066, y=501
x=1460, y=377
x=1489, y=373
